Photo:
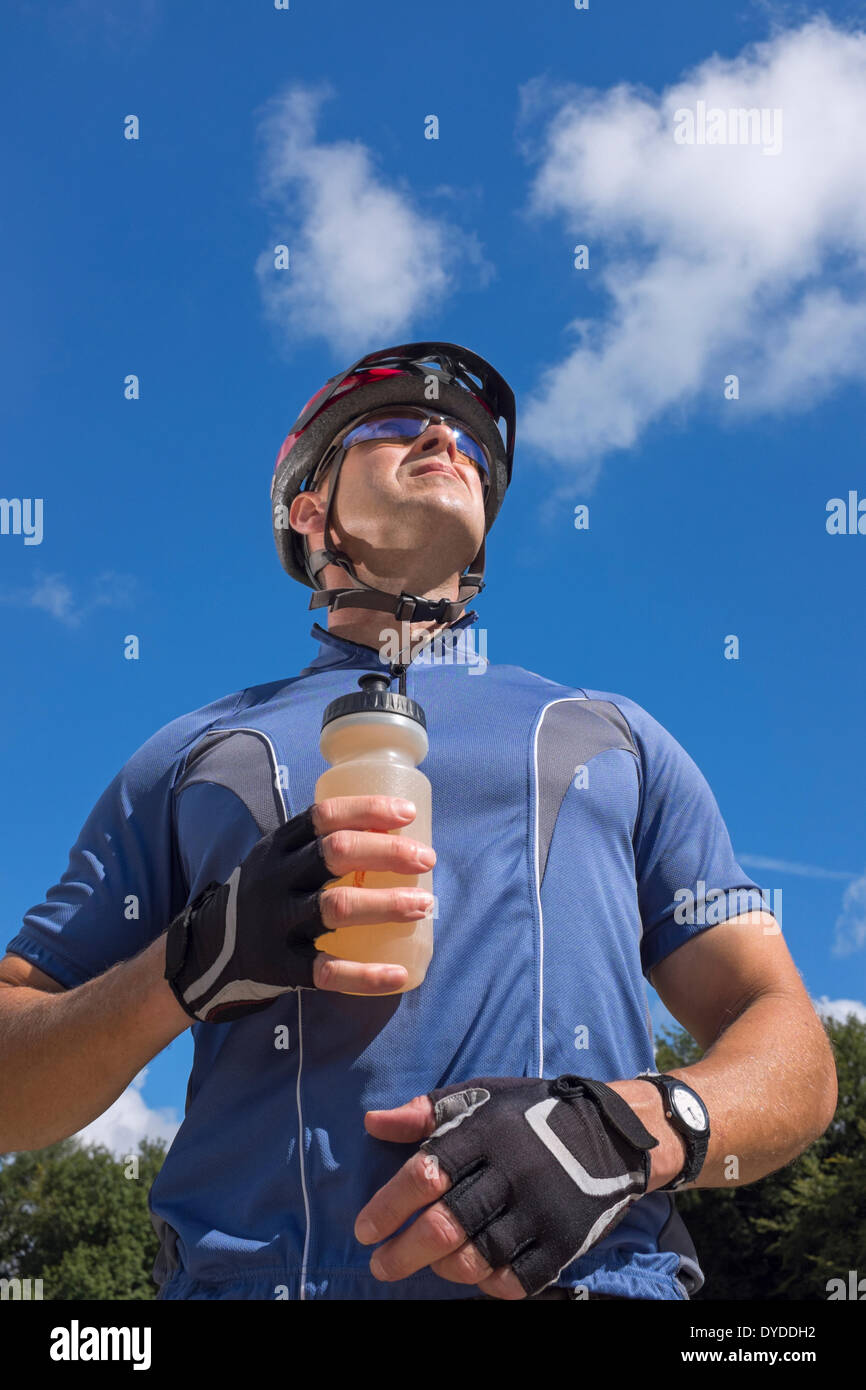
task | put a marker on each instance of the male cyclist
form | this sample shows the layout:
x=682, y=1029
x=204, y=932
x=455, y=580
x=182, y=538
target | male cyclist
x=499, y=1131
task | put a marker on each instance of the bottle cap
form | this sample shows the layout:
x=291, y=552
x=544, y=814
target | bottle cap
x=375, y=697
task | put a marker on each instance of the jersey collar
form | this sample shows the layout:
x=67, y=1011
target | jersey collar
x=339, y=651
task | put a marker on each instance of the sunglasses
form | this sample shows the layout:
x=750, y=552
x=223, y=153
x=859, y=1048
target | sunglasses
x=410, y=424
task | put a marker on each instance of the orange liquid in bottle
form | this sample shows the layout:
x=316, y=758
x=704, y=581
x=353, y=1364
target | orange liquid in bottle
x=377, y=753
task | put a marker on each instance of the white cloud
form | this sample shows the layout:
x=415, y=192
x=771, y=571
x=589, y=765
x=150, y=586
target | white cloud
x=839, y=1009
x=128, y=1120
x=53, y=595
x=79, y=22
x=366, y=262
x=715, y=259
x=785, y=866
x=850, y=926
x=851, y=922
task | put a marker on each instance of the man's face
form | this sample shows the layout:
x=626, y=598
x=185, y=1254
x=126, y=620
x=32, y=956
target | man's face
x=417, y=494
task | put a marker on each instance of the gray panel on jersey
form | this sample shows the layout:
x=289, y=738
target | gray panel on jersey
x=243, y=762
x=571, y=732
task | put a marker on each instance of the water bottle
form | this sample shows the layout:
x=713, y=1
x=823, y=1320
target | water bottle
x=374, y=741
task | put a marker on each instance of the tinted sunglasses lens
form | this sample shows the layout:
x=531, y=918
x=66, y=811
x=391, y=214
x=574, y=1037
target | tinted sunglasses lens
x=469, y=446
x=387, y=427
x=391, y=427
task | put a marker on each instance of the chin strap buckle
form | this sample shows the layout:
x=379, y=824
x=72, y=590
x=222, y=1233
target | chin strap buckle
x=405, y=608
x=423, y=609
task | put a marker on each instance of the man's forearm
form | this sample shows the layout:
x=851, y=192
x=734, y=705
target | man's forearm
x=769, y=1084
x=65, y=1058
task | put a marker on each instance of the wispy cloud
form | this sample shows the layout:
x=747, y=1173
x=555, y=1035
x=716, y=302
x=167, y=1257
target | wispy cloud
x=128, y=1120
x=839, y=1009
x=850, y=931
x=54, y=595
x=784, y=866
x=850, y=926
x=715, y=259
x=117, y=22
x=366, y=261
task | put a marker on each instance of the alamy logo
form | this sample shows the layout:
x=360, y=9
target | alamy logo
x=846, y=518
x=77, y=1343
x=708, y=907
x=739, y=125
x=22, y=516
x=854, y=1289
x=454, y=647
x=20, y=1288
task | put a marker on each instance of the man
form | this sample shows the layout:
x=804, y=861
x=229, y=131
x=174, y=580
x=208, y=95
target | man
x=499, y=1131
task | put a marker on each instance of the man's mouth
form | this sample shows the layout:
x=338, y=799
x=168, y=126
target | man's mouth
x=434, y=465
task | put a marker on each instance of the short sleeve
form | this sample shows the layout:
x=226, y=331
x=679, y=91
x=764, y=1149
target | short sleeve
x=123, y=883
x=687, y=877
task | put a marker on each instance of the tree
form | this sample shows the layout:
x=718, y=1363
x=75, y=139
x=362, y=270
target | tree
x=786, y=1235
x=75, y=1217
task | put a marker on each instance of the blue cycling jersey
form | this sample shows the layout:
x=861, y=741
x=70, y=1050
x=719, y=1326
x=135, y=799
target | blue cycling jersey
x=568, y=825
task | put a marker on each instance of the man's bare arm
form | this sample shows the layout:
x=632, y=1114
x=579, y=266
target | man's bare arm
x=66, y=1055
x=768, y=1077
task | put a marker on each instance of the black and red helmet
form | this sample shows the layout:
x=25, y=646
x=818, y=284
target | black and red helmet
x=461, y=383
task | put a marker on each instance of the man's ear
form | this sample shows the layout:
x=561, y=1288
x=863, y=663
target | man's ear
x=307, y=512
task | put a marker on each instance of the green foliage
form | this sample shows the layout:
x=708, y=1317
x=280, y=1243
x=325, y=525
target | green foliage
x=786, y=1235
x=71, y=1217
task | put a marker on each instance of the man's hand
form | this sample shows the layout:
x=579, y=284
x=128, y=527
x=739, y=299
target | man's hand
x=523, y=1174
x=435, y=1239
x=242, y=943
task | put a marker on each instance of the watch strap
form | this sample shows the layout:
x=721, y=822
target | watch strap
x=696, y=1144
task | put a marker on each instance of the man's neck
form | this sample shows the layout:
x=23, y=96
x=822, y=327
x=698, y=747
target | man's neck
x=370, y=627
x=376, y=628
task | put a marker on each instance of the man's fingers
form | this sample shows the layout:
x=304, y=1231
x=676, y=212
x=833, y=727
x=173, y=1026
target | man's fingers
x=419, y=1182
x=357, y=907
x=503, y=1283
x=466, y=1266
x=346, y=851
x=436, y=1234
x=374, y=812
x=349, y=976
x=407, y=1124
x=364, y=832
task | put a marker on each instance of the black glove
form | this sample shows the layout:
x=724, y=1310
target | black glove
x=540, y=1169
x=240, y=944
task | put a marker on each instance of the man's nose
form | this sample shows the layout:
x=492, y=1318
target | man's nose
x=436, y=437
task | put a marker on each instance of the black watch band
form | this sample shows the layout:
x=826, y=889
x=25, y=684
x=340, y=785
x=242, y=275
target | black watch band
x=694, y=1127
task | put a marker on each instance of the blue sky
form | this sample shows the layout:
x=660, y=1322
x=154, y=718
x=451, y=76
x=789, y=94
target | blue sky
x=307, y=127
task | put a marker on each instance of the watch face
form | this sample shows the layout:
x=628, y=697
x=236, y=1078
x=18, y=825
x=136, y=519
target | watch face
x=688, y=1107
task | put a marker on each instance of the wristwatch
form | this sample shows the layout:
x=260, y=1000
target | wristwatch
x=687, y=1113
